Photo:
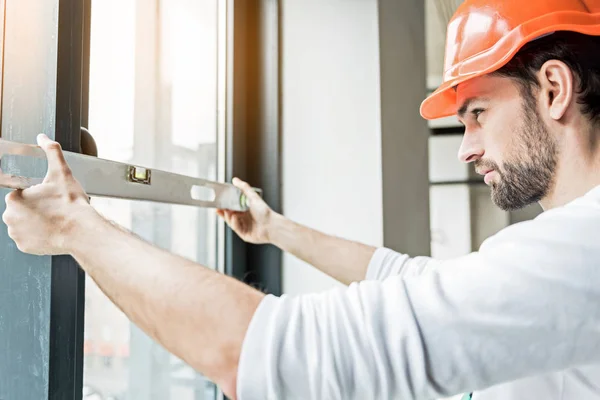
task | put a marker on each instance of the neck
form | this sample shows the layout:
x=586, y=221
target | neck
x=578, y=171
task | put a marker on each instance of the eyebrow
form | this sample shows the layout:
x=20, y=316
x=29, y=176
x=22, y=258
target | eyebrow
x=463, y=109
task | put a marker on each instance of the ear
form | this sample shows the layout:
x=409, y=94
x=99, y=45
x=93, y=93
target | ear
x=557, y=88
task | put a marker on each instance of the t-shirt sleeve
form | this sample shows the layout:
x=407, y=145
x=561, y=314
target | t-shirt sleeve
x=386, y=262
x=525, y=304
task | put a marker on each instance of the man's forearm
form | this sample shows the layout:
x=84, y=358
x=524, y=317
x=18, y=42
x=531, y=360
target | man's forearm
x=344, y=260
x=198, y=314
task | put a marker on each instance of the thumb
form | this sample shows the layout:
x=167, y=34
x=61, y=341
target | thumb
x=246, y=189
x=57, y=165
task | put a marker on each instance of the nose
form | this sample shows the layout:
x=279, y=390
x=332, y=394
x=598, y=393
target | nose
x=471, y=148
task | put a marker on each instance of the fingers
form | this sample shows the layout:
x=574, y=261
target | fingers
x=57, y=165
x=12, y=196
x=246, y=188
x=6, y=218
x=232, y=218
x=12, y=203
x=229, y=216
x=225, y=214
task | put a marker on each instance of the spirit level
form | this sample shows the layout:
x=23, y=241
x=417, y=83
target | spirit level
x=105, y=178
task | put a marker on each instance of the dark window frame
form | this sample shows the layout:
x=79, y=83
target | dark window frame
x=67, y=285
x=254, y=130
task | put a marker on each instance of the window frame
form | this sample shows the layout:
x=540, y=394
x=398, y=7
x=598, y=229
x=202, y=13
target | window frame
x=67, y=286
x=248, y=146
x=254, y=129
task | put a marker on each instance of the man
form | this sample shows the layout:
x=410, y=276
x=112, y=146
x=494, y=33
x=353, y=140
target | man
x=519, y=319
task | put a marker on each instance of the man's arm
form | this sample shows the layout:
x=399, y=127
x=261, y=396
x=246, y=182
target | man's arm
x=180, y=304
x=197, y=314
x=345, y=260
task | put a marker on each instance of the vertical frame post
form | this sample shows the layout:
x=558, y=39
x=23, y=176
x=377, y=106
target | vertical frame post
x=253, y=134
x=67, y=290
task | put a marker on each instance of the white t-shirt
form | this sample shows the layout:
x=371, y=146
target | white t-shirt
x=519, y=319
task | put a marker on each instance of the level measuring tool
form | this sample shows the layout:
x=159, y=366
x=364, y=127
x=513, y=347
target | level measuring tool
x=105, y=178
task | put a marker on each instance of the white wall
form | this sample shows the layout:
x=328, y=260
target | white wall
x=331, y=126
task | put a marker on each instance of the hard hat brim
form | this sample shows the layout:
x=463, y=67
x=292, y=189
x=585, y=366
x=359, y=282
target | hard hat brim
x=442, y=102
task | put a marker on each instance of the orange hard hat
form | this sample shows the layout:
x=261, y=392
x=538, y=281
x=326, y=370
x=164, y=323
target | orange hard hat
x=483, y=35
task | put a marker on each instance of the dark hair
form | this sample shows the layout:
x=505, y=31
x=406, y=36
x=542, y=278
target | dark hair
x=579, y=52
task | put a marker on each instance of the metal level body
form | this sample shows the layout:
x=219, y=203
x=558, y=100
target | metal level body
x=105, y=178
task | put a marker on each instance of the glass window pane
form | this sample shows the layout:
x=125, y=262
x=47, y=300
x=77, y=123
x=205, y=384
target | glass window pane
x=121, y=362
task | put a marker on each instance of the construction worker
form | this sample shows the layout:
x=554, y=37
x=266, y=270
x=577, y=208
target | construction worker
x=518, y=319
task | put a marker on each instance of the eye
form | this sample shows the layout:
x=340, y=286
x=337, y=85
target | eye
x=477, y=112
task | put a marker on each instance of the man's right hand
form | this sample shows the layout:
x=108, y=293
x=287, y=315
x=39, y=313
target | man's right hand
x=252, y=226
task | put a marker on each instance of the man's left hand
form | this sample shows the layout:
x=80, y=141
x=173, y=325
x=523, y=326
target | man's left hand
x=42, y=218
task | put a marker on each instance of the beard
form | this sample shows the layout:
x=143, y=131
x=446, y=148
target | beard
x=527, y=177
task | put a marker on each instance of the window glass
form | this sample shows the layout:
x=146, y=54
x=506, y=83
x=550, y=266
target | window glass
x=153, y=102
